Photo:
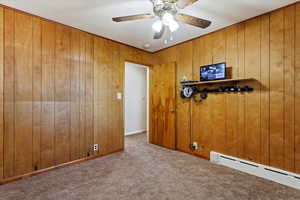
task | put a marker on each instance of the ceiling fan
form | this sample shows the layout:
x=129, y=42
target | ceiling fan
x=168, y=13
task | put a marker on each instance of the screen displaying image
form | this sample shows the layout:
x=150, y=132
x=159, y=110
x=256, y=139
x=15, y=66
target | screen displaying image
x=213, y=72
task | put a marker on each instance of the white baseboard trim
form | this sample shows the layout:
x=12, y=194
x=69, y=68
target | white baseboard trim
x=135, y=132
x=277, y=175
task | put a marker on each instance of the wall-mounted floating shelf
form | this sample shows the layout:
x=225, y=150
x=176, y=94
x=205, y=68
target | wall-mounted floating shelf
x=217, y=82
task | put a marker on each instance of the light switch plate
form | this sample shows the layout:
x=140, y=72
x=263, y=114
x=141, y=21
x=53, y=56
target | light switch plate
x=119, y=96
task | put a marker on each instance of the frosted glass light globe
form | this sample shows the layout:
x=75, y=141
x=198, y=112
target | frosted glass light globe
x=167, y=19
x=157, y=26
x=173, y=26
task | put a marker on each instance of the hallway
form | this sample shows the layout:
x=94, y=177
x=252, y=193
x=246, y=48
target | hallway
x=143, y=172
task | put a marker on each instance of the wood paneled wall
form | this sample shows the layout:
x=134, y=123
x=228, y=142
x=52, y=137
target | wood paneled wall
x=58, y=90
x=262, y=126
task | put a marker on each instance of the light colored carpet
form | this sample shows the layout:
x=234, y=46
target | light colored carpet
x=144, y=172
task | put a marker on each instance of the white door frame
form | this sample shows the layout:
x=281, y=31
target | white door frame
x=147, y=99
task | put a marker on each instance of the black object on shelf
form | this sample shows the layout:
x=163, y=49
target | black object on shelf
x=188, y=82
x=200, y=83
x=204, y=92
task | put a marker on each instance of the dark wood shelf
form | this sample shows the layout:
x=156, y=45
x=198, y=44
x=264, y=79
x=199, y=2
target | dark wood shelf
x=218, y=81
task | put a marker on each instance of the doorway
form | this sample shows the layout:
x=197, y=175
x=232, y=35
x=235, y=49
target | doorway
x=136, y=93
x=158, y=92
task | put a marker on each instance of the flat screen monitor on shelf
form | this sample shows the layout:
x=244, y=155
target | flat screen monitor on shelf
x=213, y=72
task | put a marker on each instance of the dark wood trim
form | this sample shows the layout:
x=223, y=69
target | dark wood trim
x=28, y=175
x=183, y=151
x=43, y=18
x=193, y=153
x=203, y=157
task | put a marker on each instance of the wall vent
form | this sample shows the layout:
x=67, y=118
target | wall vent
x=277, y=175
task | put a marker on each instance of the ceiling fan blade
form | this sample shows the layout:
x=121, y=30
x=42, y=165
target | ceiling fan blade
x=158, y=35
x=184, y=3
x=132, y=17
x=194, y=21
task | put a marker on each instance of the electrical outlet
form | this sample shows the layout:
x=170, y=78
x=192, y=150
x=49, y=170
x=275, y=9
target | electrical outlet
x=96, y=147
x=194, y=146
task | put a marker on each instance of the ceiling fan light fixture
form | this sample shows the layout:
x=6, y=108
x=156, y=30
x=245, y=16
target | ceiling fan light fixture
x=168, y=14
x=159, y=2
x=167, y=19
x=173, y=26
x=157, y=26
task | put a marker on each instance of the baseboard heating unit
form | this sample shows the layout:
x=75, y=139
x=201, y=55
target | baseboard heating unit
x=277, y=175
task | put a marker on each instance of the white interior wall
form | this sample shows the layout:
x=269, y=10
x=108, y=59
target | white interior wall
x=135, y=98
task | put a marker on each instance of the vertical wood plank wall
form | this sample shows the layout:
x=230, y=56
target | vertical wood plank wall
x=262, y=126
x=58, y=90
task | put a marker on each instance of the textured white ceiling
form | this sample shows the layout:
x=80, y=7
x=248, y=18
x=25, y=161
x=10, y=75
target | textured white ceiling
x=94, y=16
